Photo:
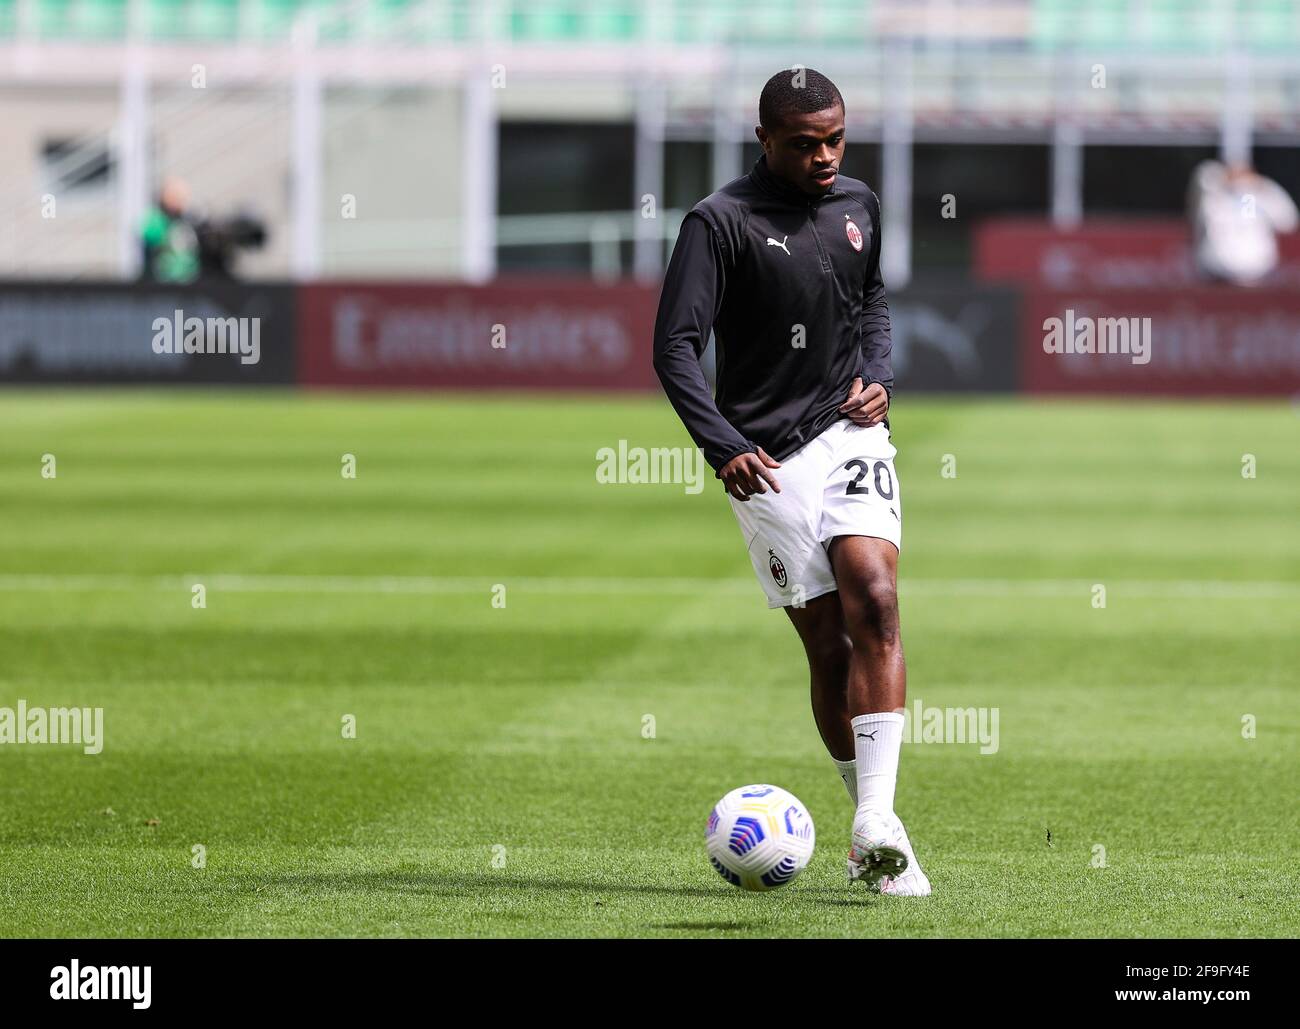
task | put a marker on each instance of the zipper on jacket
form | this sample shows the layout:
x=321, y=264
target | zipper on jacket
x=821, y=251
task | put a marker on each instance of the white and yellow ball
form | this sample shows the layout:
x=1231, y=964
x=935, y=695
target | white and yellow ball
x=759, y=837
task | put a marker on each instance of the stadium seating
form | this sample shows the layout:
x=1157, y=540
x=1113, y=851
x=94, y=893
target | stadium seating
x=1160, y=26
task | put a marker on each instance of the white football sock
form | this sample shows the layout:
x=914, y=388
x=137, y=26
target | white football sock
x=848, y=772
x=877, y=739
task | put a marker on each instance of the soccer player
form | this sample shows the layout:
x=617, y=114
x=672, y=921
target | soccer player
x=783, y=266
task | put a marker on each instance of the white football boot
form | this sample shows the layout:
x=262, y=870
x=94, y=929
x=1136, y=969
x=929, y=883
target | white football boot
x=874, y=852
x=912, y=882
x=882, y=856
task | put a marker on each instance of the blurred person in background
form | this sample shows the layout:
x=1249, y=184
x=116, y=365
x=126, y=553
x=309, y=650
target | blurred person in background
x=1236, y=214
x=181, y=245
x=170, y=236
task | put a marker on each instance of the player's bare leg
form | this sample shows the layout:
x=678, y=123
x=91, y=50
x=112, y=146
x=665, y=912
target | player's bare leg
x=820, y=624
x=866, y=571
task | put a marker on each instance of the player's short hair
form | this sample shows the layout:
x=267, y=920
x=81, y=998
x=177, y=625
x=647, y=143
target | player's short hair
x=796, y=91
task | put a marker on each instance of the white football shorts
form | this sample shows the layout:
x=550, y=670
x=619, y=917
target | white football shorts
x=840, y=484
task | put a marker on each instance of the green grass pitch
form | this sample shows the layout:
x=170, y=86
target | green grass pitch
x=500, y=783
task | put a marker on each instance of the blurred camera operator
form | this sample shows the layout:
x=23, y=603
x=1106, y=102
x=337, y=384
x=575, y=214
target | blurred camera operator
x=181, y=246
x=170, y=236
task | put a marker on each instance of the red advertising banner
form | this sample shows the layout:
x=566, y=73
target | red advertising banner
x=1205, y=341
x=510, y=334
x=1103, y=254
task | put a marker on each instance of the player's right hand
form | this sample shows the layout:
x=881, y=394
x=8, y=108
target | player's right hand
x=745, y=474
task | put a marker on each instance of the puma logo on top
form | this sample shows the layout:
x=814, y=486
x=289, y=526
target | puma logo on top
x=773, y=243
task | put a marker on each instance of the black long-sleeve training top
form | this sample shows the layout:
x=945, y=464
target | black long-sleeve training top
x=790, y=285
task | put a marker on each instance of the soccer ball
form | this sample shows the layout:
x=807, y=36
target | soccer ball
x=759, y=837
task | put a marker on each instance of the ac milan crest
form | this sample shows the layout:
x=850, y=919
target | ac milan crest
x=854, y=234
x=778, y=569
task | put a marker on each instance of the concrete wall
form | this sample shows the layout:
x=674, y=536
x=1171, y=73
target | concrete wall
x=397, y=153
x=394, y=150
x=80, y=235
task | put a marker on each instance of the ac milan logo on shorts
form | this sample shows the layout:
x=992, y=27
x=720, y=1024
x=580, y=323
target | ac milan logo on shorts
x=778, y=569
x=854, y=234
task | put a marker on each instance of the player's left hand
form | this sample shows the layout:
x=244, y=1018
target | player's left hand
x=866, y=406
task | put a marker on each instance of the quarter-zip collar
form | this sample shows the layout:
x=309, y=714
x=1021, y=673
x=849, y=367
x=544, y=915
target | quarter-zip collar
x=778, y=187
